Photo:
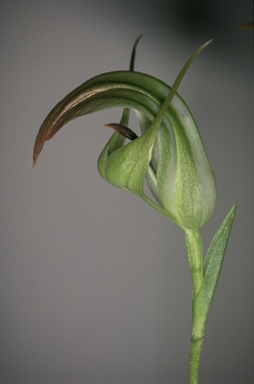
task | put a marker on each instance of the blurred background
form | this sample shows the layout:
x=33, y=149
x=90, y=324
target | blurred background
x=95, y=285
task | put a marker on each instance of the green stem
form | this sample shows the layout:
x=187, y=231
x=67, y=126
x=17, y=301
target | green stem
x=195, y=258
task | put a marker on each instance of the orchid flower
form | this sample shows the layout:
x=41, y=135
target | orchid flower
x=169, y=155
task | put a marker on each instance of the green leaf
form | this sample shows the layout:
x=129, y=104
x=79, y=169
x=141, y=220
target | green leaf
x=213, y=264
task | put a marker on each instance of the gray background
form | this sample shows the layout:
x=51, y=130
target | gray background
x=95, y=286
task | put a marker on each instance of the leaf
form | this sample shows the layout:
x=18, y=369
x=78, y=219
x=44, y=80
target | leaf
x=213, y=264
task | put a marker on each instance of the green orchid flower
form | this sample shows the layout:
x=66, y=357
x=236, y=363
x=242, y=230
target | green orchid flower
x=169, y=155
x=180, y=178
